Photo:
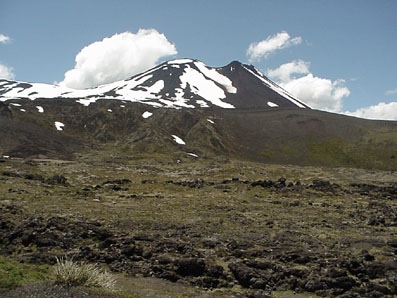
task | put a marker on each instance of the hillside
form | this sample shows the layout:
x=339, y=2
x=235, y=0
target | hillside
x=280, y=135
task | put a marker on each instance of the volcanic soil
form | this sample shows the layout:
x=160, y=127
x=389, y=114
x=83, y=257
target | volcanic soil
x=183, y=226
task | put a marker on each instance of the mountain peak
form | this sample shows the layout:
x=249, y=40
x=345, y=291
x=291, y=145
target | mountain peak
x=179, y=83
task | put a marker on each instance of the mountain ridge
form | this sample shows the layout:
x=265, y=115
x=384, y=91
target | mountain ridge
x=179, y=83
x=183, y=109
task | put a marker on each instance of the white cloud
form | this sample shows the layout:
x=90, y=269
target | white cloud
x=271, y=44
x=117, y=57
x=4, y=39
x=384, y=111
x=391, y=92
x=6, y=72
x=319, y=93
x=284, y=72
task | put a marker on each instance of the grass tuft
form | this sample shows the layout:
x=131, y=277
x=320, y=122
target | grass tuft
x=70, y=273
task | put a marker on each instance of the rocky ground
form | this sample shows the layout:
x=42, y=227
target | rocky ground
x=209, y=228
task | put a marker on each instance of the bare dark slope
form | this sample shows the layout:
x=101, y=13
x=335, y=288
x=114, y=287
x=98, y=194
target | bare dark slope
x=24, y=137
x=254, y=89
x=297, y=136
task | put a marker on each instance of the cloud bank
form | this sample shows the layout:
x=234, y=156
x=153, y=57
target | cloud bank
x=384, y=111
x=295, y=76
x=4, y=39
x=117, y=57
x=319, y=93
x=264, y=48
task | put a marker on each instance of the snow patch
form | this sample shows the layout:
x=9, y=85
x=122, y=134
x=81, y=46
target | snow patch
x=110, y=110
x=203, y=87
x=59, y=125
x=23, y=110
x=86, y=101
x=178, y=140
x=40, y=109
x=210, y=121
x=147, y=114
x=272, y=104
x=180, y=61
x=202, y=103
x=217, y=77
x=192, y=154
x=156, y=87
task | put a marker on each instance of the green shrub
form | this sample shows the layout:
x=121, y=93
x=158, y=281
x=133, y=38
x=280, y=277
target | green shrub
x=70, y=273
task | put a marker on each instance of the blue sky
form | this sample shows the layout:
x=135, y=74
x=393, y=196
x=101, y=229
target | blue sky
x=346, y=51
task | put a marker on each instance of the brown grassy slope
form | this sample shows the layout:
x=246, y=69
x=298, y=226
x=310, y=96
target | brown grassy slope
x=300, y=136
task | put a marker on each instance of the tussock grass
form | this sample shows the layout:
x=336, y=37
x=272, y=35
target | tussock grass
x=70, y=273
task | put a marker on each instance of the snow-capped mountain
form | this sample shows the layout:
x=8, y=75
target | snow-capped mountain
x=181, y=83
x=163, y=112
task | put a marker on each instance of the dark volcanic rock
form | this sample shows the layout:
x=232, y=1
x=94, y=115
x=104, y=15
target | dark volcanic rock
x=190, y=266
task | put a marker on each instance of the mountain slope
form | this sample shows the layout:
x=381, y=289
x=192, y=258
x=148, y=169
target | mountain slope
x=182, y=83
x=184, y=109
x=282, y=135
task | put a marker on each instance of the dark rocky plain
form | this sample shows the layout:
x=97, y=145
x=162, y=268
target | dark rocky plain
x=181, y=226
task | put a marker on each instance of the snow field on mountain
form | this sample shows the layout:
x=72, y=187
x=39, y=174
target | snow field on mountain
x=204, y=87
x=150, y=93
x=178, y=140
x=180, y=61
x=217, y=77
x=59, y=125
x=272, y=104
x=147, y=114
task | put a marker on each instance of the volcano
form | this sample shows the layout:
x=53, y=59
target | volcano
x=182, y=83
x=185, y=109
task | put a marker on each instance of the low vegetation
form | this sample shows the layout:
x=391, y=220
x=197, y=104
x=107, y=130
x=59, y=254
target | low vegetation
x=14, y=273
x=70, y=273
x=167, y=225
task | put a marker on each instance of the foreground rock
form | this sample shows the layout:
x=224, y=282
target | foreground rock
x=251, y=236
x=330, y=273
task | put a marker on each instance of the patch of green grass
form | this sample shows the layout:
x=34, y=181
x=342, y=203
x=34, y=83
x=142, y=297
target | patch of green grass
x=331, y=152
x=13, y=273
